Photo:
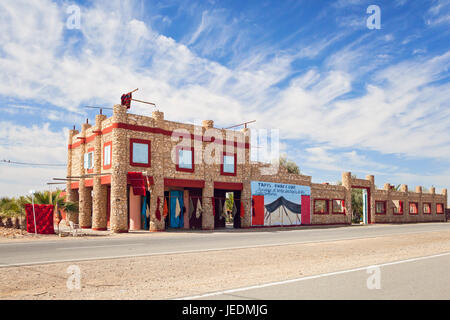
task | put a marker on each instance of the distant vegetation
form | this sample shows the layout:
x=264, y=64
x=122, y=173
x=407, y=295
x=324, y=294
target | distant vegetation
x=11, y=207
x=290, y=165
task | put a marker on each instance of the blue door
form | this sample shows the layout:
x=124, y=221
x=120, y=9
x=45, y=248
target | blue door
x=176, y=222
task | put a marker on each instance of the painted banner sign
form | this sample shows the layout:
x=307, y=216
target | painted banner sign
x=279, y=204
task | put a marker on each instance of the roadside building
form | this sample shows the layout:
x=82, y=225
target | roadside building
x=131, y=172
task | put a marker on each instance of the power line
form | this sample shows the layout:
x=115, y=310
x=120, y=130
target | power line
x=34, y=164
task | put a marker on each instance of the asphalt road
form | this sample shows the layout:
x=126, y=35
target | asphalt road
x=419, y=278
x=41, y=252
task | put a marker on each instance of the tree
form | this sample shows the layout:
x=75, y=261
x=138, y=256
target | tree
x=229, y=201
x=357, y=202
x=10, y=207
x=289, y=165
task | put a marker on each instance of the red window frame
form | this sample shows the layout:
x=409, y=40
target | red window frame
x=384, y=206
x=327, y=201
x=109, y=143
x=178, y=148
x=442, y=206
x=93, y=156
x=400, y=212
x=223, y=161
x=429, y=206
x=141, y=141
x=343, y=206
x=417, y=208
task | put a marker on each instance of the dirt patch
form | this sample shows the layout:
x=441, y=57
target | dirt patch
x=11, y=233
x=178, y=275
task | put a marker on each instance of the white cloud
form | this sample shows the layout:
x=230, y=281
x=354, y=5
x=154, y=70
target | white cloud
x=37, y=145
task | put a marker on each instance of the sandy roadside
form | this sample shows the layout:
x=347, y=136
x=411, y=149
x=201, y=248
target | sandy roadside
x=170, y=276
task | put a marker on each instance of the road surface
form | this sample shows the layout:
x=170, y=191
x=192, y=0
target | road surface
x=43, y=252
x=417, y=278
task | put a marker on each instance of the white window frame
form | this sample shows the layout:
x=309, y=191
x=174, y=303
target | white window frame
x=89, y=156
x=185, y=154
x=107, y=155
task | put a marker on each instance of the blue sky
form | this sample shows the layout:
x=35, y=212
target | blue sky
x=344, y=97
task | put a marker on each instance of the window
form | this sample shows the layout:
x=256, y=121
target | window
x=439, y=208
x=398, y=207
x=427, y=208
x=320, y=206
x=228, y=165
x=338, y=206
x=89, y=160
x=107, y=148
x=380, y=207
x=413, y=208
x=140, y=153
x=185, y=159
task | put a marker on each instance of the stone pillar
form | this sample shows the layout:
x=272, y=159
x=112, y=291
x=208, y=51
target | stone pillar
x=207, y=215
x=157, y=190
x=208, y=190
x=119, y=162
x=72, y=195
x=387, y=187
x=433, y=203
x=420, y=215
x=186, y=205
x=246, y=194
x=99, y=215
x=208, y=124
x=371, y=204
x=85, y=203
x=404, y=188
x=347, y=183
x=444, y=192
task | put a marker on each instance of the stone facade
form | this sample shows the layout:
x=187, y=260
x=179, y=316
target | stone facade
x=103, y=191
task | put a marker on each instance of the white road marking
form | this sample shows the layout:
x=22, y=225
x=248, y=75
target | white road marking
x=270, y=284
x=108, y=246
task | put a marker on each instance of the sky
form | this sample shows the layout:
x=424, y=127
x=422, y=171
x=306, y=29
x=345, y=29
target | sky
x=344, y=97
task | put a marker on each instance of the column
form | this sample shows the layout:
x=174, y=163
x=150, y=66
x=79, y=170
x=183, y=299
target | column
x=99, y=218
x=207, y=215
x=371, y=203
x=347, y=183
x=85, y=203
x=246, y=194
x=157, y=190
x=119, y=162
x=72, y=195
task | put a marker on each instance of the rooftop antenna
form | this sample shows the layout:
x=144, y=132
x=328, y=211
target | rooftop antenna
x=101, y=108
x=241, y=124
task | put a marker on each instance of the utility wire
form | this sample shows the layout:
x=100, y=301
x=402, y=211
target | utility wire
x=33, y=164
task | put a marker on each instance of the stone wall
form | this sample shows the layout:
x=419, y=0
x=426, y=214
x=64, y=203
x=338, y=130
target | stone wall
x=388, y=196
